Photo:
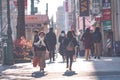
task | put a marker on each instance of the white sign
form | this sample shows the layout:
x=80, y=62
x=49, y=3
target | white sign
x=95, y=8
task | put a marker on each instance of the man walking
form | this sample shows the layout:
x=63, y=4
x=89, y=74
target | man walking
x=51, y=43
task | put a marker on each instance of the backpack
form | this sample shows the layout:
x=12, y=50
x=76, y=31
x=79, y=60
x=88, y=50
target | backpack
x=70, y=46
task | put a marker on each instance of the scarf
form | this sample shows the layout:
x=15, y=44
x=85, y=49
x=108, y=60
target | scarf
x=40, y=42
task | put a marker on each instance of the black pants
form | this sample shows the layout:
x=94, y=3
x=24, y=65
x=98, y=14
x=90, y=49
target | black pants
x=52, y=55
x=69, y=59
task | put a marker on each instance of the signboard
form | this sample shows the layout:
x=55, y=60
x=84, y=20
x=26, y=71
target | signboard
x=66, y=5
x=106, y=4
x=84, y=7
x=107, y=24
x=95, y=7
x=106, y=12
x=106, y=17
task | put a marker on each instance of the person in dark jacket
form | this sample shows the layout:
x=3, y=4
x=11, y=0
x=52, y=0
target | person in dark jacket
x=87, y=41
x=40, y=50
x=51, y=43
x=97, y=38
x=69, y=54
x=61, y=47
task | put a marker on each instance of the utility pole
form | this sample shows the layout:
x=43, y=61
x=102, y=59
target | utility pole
x=46, y=8
x=1, y=18
x=83, y=23
x=9, y=55
x=32, y=7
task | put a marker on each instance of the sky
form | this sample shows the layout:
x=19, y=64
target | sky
x=52, y=6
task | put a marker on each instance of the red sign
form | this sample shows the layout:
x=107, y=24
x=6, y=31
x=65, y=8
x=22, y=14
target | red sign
x=106, y=11
x=107, y=17
x=98, y=18
x=106, y=14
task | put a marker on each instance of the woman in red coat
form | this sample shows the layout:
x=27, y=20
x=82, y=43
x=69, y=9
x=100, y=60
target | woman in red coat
x=87, y=40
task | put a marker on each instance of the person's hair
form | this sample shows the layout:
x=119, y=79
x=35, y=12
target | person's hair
x=69, y=34
x=51, y=29
x=35, y=31
x=62, y=31
x=42, y=33
x=87, y=31
x=97, y=29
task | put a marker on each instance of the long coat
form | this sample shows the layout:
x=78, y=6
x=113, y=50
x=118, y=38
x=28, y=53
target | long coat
x=87, y=39
x=61, y=47
x=66, y=42
x=51, y=40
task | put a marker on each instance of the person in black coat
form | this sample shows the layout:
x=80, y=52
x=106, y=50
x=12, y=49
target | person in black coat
x=97, y=38
x=69, y=53
x=51, y=43
x=61, y=47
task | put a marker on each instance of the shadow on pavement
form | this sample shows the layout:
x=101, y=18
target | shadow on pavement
x=5, y=67
x=69, y=73
x=62, y=62
x=50, y=62
x=38, y=74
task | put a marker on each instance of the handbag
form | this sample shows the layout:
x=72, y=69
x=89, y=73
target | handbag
x=35, y=61
x=70, y=46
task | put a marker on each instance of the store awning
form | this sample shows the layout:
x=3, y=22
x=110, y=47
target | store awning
x=36, y=19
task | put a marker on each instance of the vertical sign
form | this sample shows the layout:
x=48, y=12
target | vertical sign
x=84, y=7
x=106, y=12
x=66, y=5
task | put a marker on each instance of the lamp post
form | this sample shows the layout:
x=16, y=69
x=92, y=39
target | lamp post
x=84, y=24
x=9, y=54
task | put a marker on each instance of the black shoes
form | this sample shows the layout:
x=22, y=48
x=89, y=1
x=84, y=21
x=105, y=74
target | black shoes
x=97, y=57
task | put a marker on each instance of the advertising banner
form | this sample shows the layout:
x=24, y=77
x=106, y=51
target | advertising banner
x=106, y=4
x=107, y=24
x=84, y=7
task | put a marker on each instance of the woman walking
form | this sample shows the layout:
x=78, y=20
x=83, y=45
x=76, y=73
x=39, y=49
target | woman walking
x=61, y=47
x=87, y=41
x=40, y=50
x=70, y=44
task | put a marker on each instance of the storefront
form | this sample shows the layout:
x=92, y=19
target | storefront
x=35, y=22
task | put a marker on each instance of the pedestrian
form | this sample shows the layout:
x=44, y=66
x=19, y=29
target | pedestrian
x=40, y=50
x=81, y=46
x=76, y=48
x=62, y=47
x=87, y=41
x=70, y=43
x=51, y=43
x=97, y=38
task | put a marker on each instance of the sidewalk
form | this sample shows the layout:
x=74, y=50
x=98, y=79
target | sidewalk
x=107, y=68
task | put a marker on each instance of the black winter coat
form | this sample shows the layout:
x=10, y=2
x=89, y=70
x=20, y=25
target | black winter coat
x=51, y=40
x=66, y=42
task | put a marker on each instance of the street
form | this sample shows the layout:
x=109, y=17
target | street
x=106, y=68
